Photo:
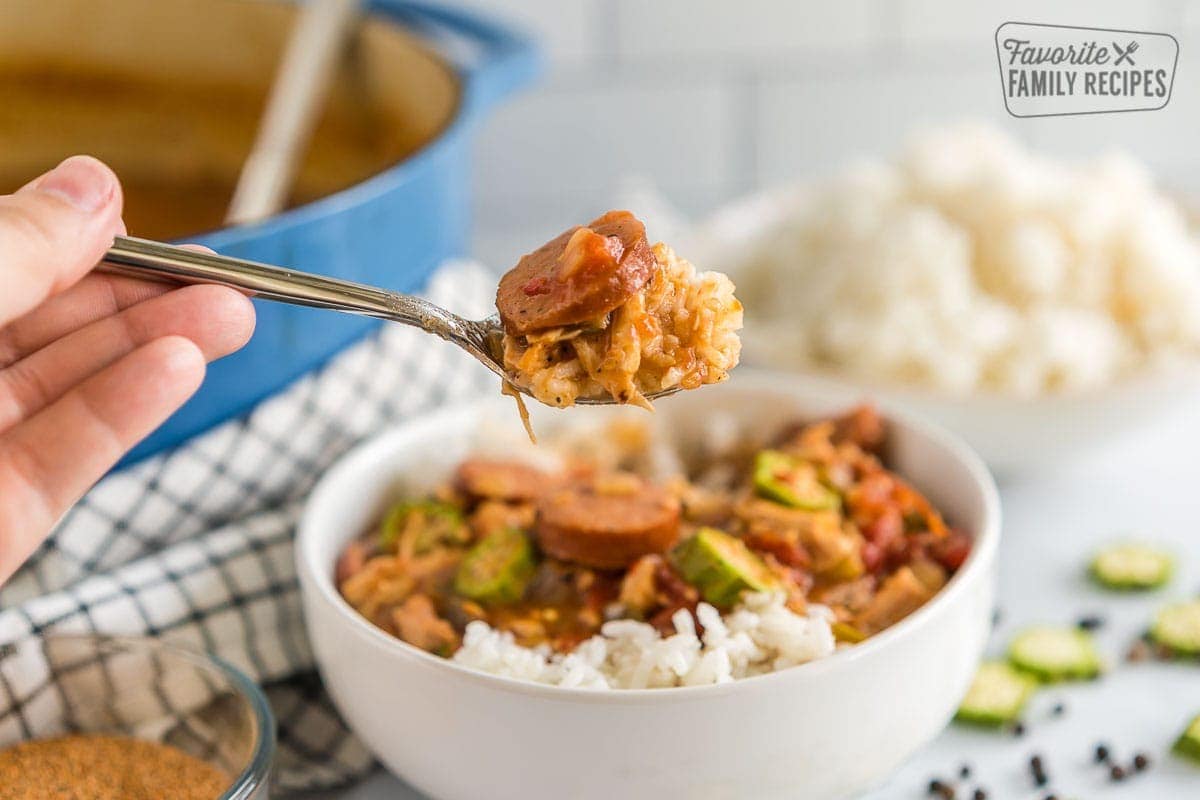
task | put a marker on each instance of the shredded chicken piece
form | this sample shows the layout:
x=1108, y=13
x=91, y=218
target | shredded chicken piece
x=822, y=534
x=639, y=588
x=382, y=581
x=492, y=516
x=418, y=624
x=901, y=593
x=508, y=389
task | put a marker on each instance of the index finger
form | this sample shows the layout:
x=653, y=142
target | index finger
x=53, y=230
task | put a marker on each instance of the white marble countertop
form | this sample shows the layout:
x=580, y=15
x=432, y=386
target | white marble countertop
x=1147, y=486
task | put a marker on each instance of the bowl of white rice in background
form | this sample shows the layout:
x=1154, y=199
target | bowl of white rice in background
x=771, y=707
x=1036, y=307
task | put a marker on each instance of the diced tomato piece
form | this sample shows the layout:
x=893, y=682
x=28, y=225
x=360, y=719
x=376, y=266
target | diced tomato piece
x=536, y=286
x=872, y=557
x=907, y=549
x=789, y=551
x=886, y=528
x=952, y=551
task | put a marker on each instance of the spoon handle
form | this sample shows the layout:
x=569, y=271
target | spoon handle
x=142, y=258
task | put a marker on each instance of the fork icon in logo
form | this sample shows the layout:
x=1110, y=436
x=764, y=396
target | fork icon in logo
x=1126, y=55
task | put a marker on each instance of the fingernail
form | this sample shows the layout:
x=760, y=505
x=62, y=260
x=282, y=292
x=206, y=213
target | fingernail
x=83, y=182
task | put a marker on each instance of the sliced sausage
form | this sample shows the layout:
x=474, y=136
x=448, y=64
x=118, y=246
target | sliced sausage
x=580, y=275
x=607, y=522
x=508, y=481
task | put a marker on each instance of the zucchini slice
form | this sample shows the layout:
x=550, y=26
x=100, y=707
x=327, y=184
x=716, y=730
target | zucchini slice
x=721, y=567
x=1131, y=567
x=997, y=696
x=439, y=524
x=1055, y=654
x=1188, y=743
x=792, y=481
x=1178, y=627
x=497, y=570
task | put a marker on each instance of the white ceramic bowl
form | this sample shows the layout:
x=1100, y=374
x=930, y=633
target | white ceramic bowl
x=831, y=728
x=1014, y=436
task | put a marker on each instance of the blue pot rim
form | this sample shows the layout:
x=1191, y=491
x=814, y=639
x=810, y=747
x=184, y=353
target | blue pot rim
x=508, y=60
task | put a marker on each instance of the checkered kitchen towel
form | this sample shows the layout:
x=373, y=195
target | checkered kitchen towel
x=196, y=545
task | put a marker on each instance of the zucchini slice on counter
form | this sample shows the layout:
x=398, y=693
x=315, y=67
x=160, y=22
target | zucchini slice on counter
x=1055, y=654
x=792, y=481
x=1178, y=627
x=497, y=570
x=997, y=696
x=721, y=567
x=1188, y=743
x=1131, y=567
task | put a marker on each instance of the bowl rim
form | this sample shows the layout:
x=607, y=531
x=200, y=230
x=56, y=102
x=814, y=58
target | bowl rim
x=257, y=772
x=317, y=583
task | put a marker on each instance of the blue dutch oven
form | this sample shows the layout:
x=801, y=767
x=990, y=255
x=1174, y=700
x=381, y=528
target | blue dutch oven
x=392, y=229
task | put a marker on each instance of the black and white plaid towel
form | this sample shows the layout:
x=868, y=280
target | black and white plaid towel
x=196, y=545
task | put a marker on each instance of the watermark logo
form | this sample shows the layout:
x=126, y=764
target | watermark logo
x=1056, y=70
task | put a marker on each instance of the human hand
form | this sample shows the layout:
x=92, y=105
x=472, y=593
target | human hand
x=89, y=364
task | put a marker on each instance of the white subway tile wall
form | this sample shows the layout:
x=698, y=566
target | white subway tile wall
x=709, y=100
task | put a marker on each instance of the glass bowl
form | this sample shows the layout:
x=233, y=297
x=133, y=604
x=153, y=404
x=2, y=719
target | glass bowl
x=136, y=686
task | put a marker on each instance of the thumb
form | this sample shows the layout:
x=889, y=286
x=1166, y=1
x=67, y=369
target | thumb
x=53, y=230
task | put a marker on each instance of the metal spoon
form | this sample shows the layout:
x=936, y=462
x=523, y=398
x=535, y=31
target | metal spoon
x=141, y=258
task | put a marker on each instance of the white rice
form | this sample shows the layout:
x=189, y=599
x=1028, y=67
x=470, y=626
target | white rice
x=970, y=264
x=760, y=635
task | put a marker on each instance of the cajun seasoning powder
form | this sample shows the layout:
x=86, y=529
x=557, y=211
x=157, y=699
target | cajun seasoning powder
x=102, y=767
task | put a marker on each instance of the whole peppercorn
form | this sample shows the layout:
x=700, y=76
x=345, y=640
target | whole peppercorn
x=1141, y=762
x=1038, y=769
x=1117, y=772
x=1019, y=729
x=979, y=794
x=942, y=789
x=1102, y=753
